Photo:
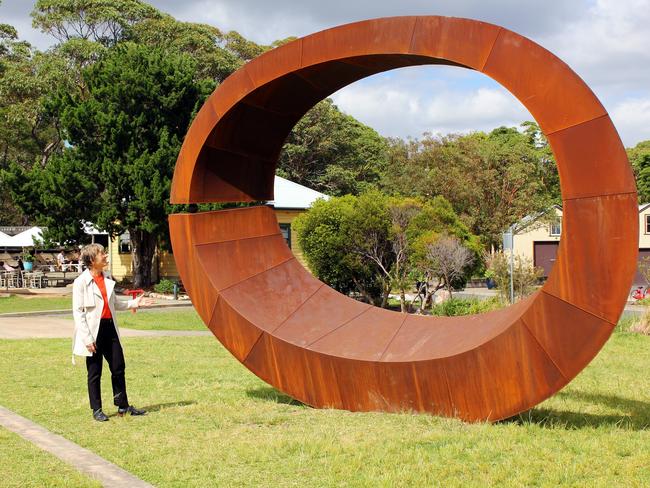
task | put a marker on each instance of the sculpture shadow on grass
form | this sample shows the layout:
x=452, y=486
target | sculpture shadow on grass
x=272, y=395
x=636, y=416
x=160, y=406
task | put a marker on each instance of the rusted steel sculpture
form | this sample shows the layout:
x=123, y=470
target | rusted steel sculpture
x=328, y=350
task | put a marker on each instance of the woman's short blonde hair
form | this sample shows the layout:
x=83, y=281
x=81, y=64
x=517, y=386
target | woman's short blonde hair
x=89, y=253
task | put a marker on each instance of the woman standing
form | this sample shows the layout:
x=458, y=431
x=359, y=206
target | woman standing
x=96, y=334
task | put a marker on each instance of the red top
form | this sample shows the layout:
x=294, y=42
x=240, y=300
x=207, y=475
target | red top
x=99, y=281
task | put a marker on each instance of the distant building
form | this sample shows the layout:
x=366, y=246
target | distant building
x=540, y=242
x=291, y=199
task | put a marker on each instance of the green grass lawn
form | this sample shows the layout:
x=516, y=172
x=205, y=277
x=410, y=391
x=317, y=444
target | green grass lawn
x=212, y=423
x=19, y=303
x=23, y=464
x=162, y=319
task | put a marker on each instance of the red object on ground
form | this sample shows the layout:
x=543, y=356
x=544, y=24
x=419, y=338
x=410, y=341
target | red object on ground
x=134, y=293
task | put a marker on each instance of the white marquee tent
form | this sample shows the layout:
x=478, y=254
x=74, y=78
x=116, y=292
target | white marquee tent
x=24, y=239
x=4, y=240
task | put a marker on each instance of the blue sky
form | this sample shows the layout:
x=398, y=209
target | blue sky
x=607, y=42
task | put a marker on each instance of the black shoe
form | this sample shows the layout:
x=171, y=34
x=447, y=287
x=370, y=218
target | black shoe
x=130, y=410
x=99, y=415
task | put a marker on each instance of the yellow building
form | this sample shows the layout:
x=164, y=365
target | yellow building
x=539, y=242
x=291, y=199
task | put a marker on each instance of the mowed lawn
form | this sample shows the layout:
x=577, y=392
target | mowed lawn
x=27, y=303
x=213, y=423
x=23, y=464
x=181, y=318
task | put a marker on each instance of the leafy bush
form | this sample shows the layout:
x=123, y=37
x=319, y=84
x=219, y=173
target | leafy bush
x=626, y=323
x=373, y=243
x=164, y=286
x=526, y=276
x=460, y=306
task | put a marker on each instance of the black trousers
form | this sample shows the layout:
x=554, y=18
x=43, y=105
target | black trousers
x=109, y=347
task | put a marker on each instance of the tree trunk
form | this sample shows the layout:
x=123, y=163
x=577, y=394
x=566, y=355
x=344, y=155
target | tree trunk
x=143, y=248
x=384, y=300
x=402, y=301
x=426, y=298
x=155, y=265
x=364, y=293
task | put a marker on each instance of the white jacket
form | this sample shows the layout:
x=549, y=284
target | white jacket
x=87, y=306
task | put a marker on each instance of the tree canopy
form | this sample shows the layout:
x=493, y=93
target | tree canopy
x=491, y=180
x=640, y=159
x=369, y=244
x=124, y=135
x=90, y=130
x=120, y=88
x=332, y=152
x=28, y=133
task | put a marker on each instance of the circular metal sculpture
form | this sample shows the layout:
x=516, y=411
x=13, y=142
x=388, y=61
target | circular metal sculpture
x=328, y=350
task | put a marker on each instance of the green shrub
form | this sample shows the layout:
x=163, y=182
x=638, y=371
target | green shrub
x=164, y=286
x=526, y=275
x=626, y=322
x=460, y=306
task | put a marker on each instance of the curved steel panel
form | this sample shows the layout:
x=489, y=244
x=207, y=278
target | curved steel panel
x=328, y=350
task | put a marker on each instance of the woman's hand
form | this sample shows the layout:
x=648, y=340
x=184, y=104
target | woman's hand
x=142, y=301
x=92, y=348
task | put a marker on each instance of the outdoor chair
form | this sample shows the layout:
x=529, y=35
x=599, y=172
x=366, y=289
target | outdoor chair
x=35, y=280
x=10, y=279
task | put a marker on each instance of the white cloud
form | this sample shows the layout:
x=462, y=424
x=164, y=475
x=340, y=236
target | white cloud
x=265, y=21
x=632, y=118
x=608, y=46
x=607, y=42
x=411, y=101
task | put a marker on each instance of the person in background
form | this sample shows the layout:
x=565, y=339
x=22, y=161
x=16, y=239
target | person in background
x=96, y=335
x=60, y=260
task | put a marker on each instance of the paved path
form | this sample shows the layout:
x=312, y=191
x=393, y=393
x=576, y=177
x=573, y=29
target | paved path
x=53, y=327
x=108, y=474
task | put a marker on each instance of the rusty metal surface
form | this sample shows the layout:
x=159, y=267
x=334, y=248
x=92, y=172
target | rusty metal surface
x=328, y=350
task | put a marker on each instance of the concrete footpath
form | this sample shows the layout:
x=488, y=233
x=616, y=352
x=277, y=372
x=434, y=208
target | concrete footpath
x=83, y=460
x=55, y=327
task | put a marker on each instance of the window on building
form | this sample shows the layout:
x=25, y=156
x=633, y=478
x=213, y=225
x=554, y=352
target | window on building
x=101, y=239
x=125, y=243
x=647, y=224
x=286, y=233
x=556, y=227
